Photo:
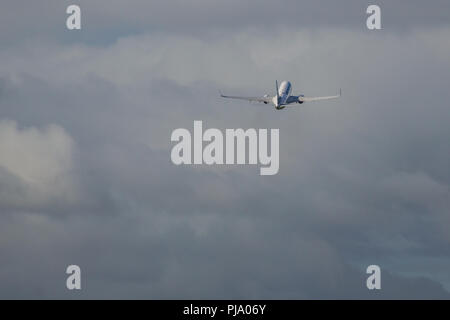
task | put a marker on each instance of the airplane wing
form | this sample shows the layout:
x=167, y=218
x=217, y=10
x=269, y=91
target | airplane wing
x=256, y=99
x=307, y=99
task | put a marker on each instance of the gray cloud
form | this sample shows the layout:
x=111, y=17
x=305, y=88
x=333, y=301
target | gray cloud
x=362, y=180
x=104, y=21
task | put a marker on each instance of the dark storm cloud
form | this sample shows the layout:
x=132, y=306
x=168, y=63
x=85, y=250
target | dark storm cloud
x=363, y=180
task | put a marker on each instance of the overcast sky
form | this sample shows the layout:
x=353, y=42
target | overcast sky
x=85, y=170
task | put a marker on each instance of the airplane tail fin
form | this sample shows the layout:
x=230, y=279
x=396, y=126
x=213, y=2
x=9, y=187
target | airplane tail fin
x=276, y=86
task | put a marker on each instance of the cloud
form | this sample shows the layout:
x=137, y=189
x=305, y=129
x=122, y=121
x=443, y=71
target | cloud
x=35, y=166
x=362, y=180
x=105, y=21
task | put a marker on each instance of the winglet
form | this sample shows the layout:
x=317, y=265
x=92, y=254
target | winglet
x=340, y=92
x=220, y=92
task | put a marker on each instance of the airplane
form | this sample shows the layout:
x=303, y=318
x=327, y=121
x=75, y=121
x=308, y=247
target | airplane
x=283, y=97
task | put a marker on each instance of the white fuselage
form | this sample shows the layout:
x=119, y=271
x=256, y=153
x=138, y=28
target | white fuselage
x=284, y=91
